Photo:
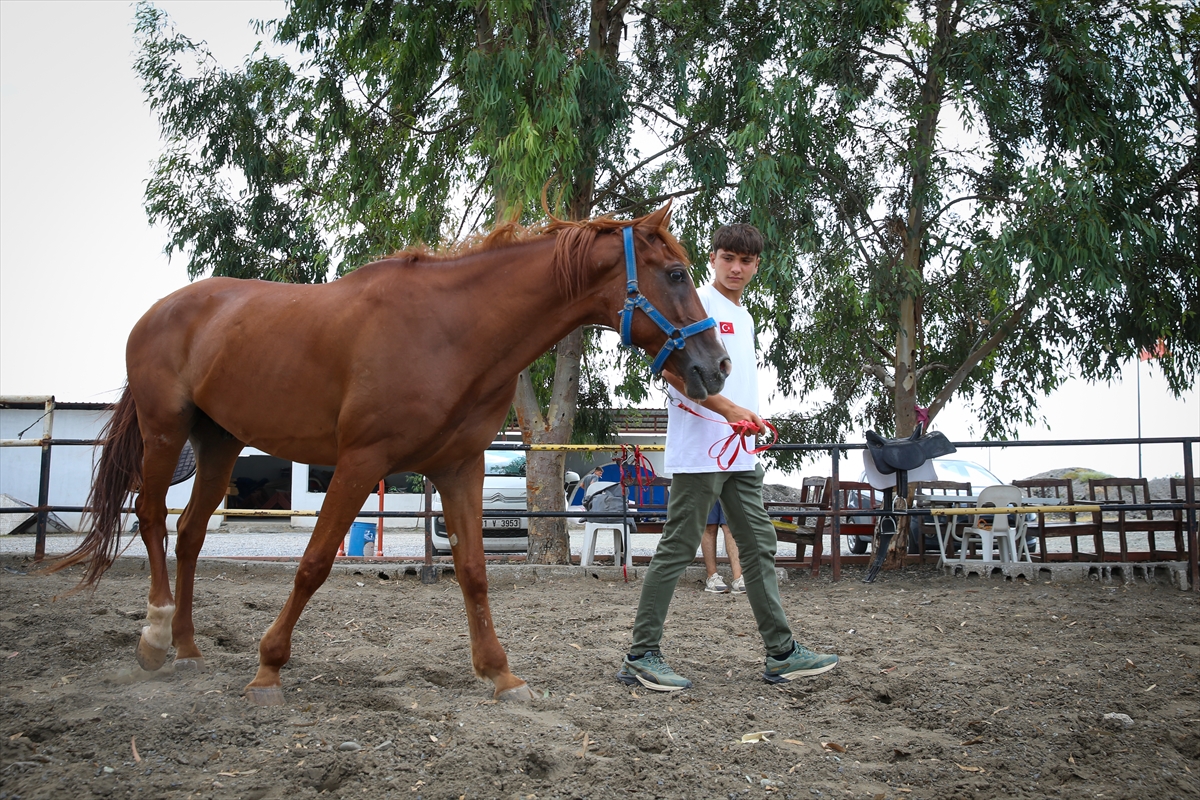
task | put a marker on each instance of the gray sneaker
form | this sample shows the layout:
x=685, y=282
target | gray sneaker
x=715, y=585
x=800, y=663
x=739, y=586
x=652, y=672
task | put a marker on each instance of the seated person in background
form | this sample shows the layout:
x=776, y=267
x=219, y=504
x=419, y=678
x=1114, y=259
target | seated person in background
x=590, y=478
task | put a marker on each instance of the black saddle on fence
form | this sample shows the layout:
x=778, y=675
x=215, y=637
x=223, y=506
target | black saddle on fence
x=890, y=455
x=899, y=456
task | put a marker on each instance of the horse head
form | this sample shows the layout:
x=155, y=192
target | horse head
x=662, y=313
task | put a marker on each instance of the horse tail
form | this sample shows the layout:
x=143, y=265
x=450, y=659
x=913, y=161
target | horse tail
x=119, y=474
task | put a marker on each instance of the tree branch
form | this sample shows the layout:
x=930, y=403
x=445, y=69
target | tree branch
x=929, y=218
x=880, y=372
x=930, y=367
x=525, y=403
x=662, y=198
x=620, y=179
x=883, y=351
x=890, y=57
x=1171, y=184
x=981, y=353
x=660, y=115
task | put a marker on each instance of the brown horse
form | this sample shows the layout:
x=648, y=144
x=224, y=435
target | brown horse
x=407, y=364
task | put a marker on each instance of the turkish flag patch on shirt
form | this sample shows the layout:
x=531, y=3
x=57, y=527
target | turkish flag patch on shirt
x=726, y=327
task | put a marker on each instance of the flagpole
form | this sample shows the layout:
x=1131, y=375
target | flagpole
x=1139, y=414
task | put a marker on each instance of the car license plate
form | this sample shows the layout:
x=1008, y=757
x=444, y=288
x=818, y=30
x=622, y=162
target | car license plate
x=501, y=523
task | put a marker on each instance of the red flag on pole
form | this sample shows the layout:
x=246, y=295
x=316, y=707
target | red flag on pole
x=1160, y=350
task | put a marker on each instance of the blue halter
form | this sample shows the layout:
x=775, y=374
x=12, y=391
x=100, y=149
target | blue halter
x=675, y=336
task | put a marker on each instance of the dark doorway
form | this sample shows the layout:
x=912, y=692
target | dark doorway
x=260, y=483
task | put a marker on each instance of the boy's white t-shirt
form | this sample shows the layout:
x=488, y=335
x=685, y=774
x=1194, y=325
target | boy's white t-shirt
x=690, y=438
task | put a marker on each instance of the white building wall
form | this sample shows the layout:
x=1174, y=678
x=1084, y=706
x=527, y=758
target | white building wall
x=304, y=500
x=71, y=466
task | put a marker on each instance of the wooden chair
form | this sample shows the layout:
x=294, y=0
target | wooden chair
x=798, y=528
x=1061, y=489
x=789, y=529
x=813, y=489
x=811, y=493
x=926, y=527
x=1133, y=491
x=1179, y=495
x=809, y=523
x=853, y=497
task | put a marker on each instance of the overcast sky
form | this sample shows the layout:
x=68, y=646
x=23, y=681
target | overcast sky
x=79, y=263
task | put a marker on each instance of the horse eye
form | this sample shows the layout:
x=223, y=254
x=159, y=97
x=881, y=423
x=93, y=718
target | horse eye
x=678, y=276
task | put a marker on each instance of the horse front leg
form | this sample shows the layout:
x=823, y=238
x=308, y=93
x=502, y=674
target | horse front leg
x=462, y=505
x=353, y=479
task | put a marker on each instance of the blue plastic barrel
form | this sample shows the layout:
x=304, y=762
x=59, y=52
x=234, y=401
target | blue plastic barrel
x=360, y=534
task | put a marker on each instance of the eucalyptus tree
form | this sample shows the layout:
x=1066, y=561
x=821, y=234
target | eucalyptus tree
x=960, y=198
x=987, y=198
x=364, y=127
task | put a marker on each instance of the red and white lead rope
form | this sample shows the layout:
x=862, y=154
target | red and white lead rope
x=735, y=440
x=641, y=467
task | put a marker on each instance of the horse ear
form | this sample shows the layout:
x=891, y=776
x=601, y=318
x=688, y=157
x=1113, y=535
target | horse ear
x=658, y=220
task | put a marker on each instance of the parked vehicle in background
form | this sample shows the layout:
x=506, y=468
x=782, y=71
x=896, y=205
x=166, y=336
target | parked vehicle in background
x=947, y=469
x=503, y=491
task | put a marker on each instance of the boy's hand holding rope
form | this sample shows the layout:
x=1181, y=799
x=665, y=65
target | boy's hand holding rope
x=736, y=440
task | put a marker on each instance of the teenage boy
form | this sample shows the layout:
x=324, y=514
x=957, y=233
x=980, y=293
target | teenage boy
x=697, y=481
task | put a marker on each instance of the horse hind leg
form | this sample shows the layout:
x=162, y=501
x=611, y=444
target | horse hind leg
x=161, y=454
x=216, y=455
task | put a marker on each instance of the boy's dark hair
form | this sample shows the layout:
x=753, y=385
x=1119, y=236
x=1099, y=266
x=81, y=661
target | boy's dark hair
x=740, y=238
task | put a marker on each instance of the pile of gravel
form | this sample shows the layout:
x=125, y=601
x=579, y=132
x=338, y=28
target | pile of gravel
x=1160, y=488
x=779, y=493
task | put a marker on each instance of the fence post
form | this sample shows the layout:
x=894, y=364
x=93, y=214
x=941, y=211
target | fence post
x=429, y=573
x=39, y=548
x=1189, y=492
x=379, y=533
x=835, y=527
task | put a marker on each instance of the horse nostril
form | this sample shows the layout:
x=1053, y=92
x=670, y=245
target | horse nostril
x=726, y=367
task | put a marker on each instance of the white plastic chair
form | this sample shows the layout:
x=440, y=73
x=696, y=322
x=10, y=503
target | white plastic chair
x=1010, y=540
x=587, y=555
x=592, y=528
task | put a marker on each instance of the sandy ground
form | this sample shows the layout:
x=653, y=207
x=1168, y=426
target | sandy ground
x=948, y=687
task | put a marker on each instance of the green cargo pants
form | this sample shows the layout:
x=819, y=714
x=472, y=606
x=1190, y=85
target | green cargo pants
x=692, y=495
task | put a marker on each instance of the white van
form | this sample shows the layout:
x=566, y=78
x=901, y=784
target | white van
x=503, y=491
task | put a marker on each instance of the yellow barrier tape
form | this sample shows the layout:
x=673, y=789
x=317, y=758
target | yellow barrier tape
x=602, y=448
x=952, y=512
x=252, y=512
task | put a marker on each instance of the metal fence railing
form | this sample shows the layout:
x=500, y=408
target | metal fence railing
x=836, y=450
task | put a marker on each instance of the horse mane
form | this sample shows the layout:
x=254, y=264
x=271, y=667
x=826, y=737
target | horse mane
x=572, y=246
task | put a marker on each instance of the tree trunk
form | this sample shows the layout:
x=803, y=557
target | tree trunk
x=549, y=542
x=911, y=278
x=906, y=401
x=905, y=393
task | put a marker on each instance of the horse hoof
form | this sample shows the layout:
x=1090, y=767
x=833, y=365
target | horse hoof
x=190, y=665
x=517, y=694
x=264, y=695
x=150, y=658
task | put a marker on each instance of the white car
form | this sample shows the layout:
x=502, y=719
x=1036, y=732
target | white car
x=503, y=491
